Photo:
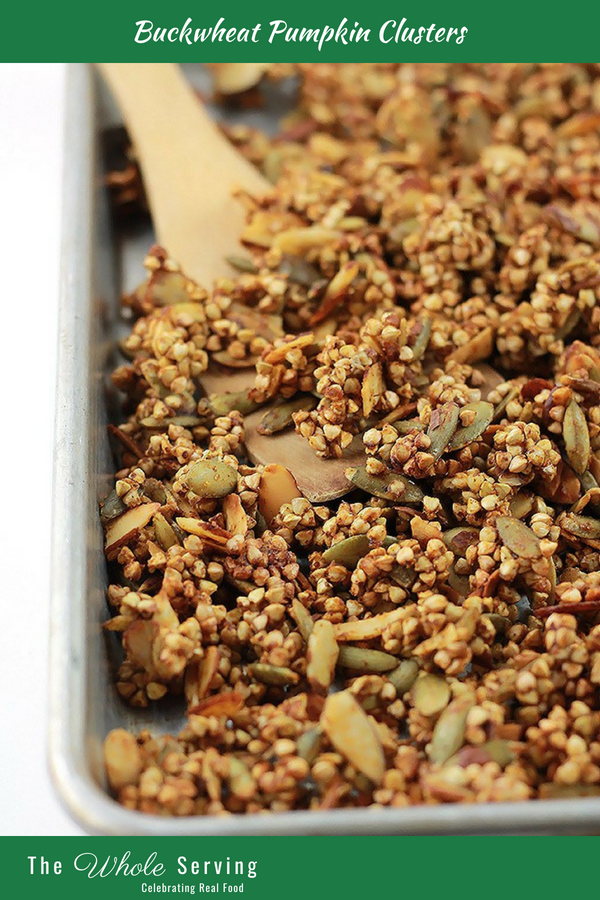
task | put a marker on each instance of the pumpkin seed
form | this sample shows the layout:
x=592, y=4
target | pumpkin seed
x=449, y=732
x=223, y=404
x=308, y=745
x=298, y=270
x=443, y=425
x=322, y=655
x=459, y=583
x=466, y=434
x=349, y=551
x=499, y=751
x=184, y=421
x=241, y=782
x=459, y=539
x=279, y=417
x=422, y=340
x=242, y=264
x=518, y=537
x=404, y=676
x=112, y=506
x=390, y=486
x=164, y=532
x=362, y=659
x=576, y=437
x=552, y=790
x=430, y=694
x=500, y=623
x=212, y=478
x=584, y=527
x=278, y=675
x=353, y=735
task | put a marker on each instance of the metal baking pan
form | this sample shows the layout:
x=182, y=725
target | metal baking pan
x=84, y=706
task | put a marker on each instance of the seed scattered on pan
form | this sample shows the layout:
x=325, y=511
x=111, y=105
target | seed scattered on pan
x=449, y=732
x=279, y=417
x=389, y=487
x=361, y=659
x=576, y=437
x=430, y=694
x=584, y=527
x=404, y=676
x=183, y=421
x=349, y=551
x=350, y=731
x=443, y=424
x=211, y=478
x=112, y=507
x=242, y=263
x=164, y=531
x=223, y=404
x=466, y=434
x=518, y=537
x=277, y=675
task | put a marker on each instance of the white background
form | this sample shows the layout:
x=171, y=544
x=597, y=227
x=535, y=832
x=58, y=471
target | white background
x=31, y=124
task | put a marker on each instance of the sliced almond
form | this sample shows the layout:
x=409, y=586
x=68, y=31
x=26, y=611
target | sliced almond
x=350, y=731
x=366, y=629
x=277, y=486
x=236, y=520
x=322, y=655
x=430, y=694
x=122, y=759
x=302, y=618
x=211, y=534
x=219, y=705
x=123, y=528
x=372, y=389
x=478, y=347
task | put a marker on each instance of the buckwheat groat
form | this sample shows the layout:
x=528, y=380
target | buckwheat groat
x=424, y=277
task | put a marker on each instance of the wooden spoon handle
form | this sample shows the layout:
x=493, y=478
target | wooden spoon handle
x=189, y=168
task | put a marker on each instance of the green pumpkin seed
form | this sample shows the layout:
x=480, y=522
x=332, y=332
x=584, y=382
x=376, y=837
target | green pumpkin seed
x=449, y=732
x=231, y=362
x=404, y=676
x=460, y=539
x=242, y=264
x=390, y=486
x=303, y=619
x=422, y=340
x=499, y=751
x=500, y=623
x=211, y=478
x=518, y=537
x=223, y=404
x=111, y=507
x=576, y=437
x=349, y=551
x=443, y=425
x=278, y=675
x=584, y=527
x=184, y=421
x=308, y=745
x=466, y=434
x=361, y=659
x=279, y=417
x=165, y=535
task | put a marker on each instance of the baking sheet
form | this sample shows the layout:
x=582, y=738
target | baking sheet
x=97, y=265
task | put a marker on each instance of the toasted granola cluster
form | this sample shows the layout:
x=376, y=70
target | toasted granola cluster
x=421, y=290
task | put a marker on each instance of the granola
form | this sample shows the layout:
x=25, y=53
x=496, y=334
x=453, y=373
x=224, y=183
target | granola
x=424, y=276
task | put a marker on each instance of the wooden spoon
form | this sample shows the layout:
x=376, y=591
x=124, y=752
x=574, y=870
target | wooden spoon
x=189, y=172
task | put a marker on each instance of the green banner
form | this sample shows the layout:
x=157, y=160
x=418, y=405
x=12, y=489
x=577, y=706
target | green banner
x=348, y=31
x=303, y=868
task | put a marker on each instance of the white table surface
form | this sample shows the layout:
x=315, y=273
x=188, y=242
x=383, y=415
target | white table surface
x=31, y=122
